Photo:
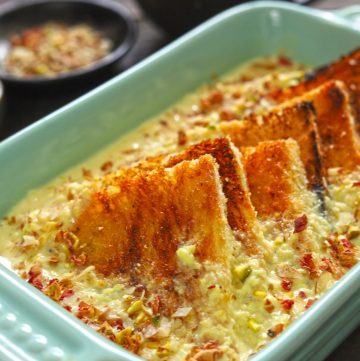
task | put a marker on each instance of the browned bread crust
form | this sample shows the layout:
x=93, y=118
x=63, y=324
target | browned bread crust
x=340, y=142
x=346, y=69
x=297, y=121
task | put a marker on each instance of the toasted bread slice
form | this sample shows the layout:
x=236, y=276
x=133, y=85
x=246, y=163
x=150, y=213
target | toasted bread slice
x=280, y=194
x=134, y=225
x=340, y=143
x=277, y=179
x=297, y=121
x=346, y=69
x=240, y=211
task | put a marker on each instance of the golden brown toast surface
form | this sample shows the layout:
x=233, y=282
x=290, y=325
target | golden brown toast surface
x=346, y=69
x=240, y=211
x=340, y=143
x=296, y=121
x=276, y=178
x=133, y=225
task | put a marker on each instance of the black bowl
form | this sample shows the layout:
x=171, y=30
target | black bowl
x=105, y=16
x=178, y=16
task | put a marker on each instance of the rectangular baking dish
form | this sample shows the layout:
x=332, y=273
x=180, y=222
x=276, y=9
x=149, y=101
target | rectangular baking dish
x=32, y=327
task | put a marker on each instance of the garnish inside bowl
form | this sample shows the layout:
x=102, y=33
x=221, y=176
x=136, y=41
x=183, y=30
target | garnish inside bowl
x=54, y=48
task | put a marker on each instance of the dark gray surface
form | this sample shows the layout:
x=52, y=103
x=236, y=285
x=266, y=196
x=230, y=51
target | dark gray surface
x=20, y=108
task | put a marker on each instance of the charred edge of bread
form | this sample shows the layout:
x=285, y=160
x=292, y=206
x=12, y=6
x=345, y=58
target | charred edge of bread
x=277, y=180
x=340, y=142
x=134, y=224
x=240, y=211
x=297, y=122
x=346, y=69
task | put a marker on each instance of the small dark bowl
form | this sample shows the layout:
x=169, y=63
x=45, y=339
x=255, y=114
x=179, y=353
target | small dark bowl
x=178, y=16
x=105, y=16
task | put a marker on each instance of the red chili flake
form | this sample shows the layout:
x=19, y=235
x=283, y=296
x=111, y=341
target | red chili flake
x=307, y=262
x=284, y=60
x=106, y=166
x=346, y=243
x=216, y=97
x=182, y=138
x=344, y=251
x=302, y=294
x=66, y=294
x=269, y=307
x=111, y=337
x=35, y=277
x=274, y=331
x=34, y=271
x=36, y=282
x=356, y=184
x=287, y=304
x=227, y=115
x=300, y=223
x=211, y=287
x=309, y=303
x=286, y=284
x=67, y=308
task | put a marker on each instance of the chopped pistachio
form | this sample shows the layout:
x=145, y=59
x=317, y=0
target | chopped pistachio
x=278, y=241
x=141, y=317
x=135, y=307
x=156, y=320
x=253, y=325
x=242, y=272
x=260, y=294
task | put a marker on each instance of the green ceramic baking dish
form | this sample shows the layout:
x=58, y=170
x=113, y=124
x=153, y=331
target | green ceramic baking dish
x=34, y=328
